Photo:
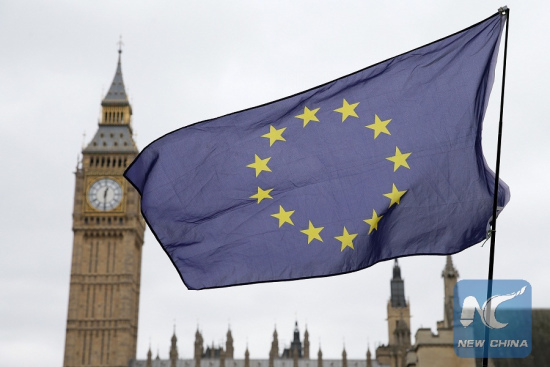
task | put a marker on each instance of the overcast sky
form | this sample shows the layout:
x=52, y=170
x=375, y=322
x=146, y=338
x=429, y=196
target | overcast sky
x=186, y=61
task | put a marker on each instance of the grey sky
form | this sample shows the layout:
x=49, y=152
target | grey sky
x=186, y=61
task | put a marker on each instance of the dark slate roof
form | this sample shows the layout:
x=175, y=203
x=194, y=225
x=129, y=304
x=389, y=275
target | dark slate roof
x=112, y=139
x=116, y=94
x=397, y=287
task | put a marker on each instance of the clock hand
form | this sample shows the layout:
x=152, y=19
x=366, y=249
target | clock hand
x=105, y=197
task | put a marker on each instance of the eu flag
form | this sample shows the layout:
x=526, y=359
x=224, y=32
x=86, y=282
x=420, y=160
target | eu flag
x=382, y=163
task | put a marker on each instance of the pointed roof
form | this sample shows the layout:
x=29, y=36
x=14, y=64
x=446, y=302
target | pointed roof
x=112, y=139
x=117, y=93
x=396, y=270
x=296, y=333
x=397, y=288
x=449, y=271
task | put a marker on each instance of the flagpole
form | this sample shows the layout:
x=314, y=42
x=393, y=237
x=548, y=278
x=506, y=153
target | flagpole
x=506, y=12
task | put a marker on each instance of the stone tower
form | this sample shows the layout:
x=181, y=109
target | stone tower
x=199, y=348
x=450, y=277
x=344, y=358
x=399, y=321
x=274, y=351
x=174, y=350
x=102, y=319
x=229, y=344
x=246, y=357
x=306, y=344
x=149, y=361
x=399, y=315
x=296, y=345
x=369, y=358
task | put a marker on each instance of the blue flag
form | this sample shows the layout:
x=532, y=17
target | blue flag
x=382, y=163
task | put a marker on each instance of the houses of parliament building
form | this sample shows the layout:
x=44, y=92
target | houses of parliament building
x=106, y=270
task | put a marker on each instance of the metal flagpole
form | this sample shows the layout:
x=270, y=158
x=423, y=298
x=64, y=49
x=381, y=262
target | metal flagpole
x=505, y=12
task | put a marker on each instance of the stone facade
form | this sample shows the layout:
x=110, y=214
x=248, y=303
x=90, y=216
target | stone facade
x=437, y=350
x=215, y=356
x=399, y=320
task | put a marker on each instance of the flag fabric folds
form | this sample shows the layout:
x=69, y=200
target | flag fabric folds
x=382, y=163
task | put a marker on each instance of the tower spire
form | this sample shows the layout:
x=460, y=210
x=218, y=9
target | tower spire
x=397, y=287
x=399, y=317
x=116, y=96
x=344, y=357
x=369, y=357
x=149, y=362
x=174, y=349
x=120, y=44
x=229, y=344
x=450, y=277
x=246, y=357
x=274, y=352
x=198, y=347
x=296, y=344
x=115, y=133
x=306, y=344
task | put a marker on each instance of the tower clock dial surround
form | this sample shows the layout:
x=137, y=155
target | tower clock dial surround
x=105, y=194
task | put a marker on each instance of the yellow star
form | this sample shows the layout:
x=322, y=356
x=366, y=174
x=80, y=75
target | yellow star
x=346, y=239
x=347, y=110
x=313, y=233
x=379, y=126
x=395, y=195
x=283, y=216
x=308, y=115
x=399, y=159
x=262, y=194
x=274, y=135
x=373, y=222
x=260, y=164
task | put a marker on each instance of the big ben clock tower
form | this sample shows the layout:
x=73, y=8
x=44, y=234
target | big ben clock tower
x=108, y=238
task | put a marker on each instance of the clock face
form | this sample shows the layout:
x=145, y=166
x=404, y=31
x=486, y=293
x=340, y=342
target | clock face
x=105, y=194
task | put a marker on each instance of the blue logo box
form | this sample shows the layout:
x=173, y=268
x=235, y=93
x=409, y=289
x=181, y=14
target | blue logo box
x=498, y=326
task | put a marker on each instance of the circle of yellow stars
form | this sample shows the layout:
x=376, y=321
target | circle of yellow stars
x=313, y=233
